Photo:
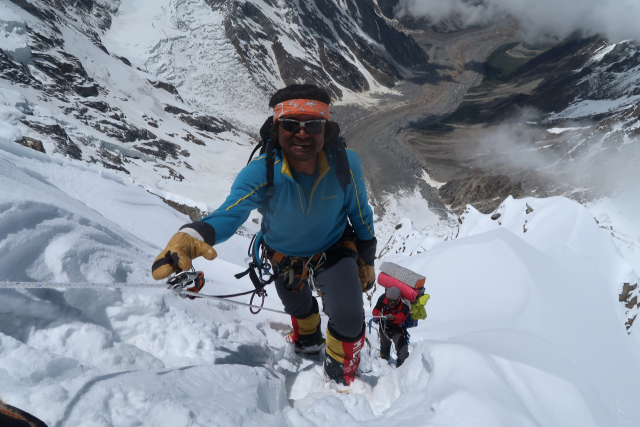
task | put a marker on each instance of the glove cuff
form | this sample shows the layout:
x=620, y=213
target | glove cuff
x=200, y=230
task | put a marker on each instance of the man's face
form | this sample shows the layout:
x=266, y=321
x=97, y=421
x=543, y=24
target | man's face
x=301, y=146
x=392, y=302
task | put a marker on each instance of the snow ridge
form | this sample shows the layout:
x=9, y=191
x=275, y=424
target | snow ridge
x=524, y=324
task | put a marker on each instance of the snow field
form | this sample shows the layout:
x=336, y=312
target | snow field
x=513, y=293
x=524, y=328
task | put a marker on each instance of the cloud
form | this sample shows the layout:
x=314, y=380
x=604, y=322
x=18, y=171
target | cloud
x=578, y=155
x=539, y=19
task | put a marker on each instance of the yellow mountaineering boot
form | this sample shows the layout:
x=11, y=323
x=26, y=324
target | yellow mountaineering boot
x=307, y=335
x=342, y=357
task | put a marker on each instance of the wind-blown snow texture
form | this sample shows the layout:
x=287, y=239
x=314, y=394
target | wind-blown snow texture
x=524, y=328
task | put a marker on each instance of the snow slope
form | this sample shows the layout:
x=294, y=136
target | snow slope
x=87, y=103
x=524, y=329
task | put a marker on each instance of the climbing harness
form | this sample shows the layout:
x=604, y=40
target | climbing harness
x=268, y=264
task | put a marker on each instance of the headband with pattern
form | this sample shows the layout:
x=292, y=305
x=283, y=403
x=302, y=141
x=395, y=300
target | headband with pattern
x=301, y=106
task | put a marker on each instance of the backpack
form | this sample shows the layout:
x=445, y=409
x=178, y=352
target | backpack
x=418, y=312
x=268, y=145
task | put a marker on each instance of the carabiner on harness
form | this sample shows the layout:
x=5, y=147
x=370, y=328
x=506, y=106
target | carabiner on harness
x=311, y=279
x=258, y=266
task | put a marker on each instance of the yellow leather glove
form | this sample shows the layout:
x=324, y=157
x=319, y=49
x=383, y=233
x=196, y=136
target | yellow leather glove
x=181, y=249
x=366, y=274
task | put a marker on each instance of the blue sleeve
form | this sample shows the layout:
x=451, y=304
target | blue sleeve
x=247, y=193
x=357, y=203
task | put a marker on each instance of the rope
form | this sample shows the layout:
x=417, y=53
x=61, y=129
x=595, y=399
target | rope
x=52, y=285
x=195, y=294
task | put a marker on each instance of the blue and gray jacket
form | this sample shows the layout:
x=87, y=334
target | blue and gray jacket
x=290, y=225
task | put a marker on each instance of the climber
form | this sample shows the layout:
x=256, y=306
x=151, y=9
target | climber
x=316, y=224
x=390, y=304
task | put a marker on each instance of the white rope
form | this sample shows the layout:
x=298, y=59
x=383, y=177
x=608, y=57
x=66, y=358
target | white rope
x=195, y=294
x=52, y=285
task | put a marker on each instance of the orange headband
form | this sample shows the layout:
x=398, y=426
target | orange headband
x=301, y=106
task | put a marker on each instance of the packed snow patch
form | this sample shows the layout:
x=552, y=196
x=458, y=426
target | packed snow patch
x=10, y=132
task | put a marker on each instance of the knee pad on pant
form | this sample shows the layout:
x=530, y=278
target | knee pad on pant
x=309, y=324
x=342, y=356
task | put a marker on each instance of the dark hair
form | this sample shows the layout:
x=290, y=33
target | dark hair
x=304, y=91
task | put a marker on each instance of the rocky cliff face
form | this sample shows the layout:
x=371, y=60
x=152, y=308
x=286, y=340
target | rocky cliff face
x=574, y=80
x=561, y=120
x=343, y=46
x=64, y=93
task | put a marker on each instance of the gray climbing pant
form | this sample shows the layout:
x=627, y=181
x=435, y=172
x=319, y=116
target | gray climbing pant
x=399, y=340
x=341, y=297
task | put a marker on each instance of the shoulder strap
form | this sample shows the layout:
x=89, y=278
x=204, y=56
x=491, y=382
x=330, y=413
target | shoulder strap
x=270, y=168
x=342, y=162
x=265, y=136
x=343, y=171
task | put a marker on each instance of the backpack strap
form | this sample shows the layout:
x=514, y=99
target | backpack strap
x=270, y=169
x=254, y=151
x=342, y=163
x=343, y=171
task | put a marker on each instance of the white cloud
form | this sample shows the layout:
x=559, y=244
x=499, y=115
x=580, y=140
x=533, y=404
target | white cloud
x=540, y=19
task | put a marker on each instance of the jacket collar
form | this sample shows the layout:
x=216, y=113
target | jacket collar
x=323, y=165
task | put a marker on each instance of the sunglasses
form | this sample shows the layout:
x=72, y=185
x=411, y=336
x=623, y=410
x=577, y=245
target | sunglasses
x=294, y=126
x=393, y=301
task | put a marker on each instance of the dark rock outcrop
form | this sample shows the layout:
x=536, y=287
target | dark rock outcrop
x=165, y=86
x=193, y=213
x=16, y=72
x=205, y=123
x=162, y=149
x=629, y=297
x=335, y=38
x=483, y=192
x=32, y=143
x=59, y=136
x=122, y=131
x=293, y=70
x=175, y=110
